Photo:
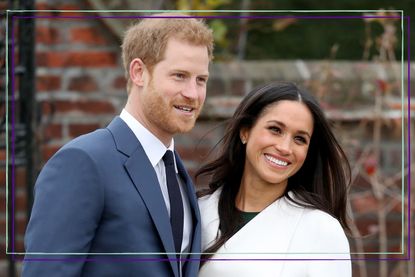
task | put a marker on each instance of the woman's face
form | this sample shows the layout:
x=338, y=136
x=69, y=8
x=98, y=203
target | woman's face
x=277, y=145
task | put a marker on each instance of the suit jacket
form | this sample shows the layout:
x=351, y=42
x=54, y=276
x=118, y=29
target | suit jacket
x=99, y=194
x=295, y=235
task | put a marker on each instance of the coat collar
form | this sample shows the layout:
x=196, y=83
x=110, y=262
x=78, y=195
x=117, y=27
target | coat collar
x=266, y=236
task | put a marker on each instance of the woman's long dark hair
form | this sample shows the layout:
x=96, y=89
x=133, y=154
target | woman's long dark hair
x=321, y=183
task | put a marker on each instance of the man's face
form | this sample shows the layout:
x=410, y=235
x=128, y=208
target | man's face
x=173, y=96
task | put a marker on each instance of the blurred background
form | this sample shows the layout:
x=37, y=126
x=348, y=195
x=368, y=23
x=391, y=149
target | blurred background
x=65, y=79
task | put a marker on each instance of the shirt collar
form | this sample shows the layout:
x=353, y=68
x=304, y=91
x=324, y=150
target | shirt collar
x=152, y=146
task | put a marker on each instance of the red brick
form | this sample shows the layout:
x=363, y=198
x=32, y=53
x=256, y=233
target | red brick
x=58, y=7
x=362, y=182
x=67, y=6
x=83, y=84
x=394, y=228
x=369, y=226
x=238, y=87
x=42, y=6
x=20, y=177
x=3, y=153
x=80, y=129
x=82, y=59
x=4, y=5
x=365, y=204
x=53, y=131
x=16, y=84
x=398, y=106
x=89, y=107
x=2, y=203
x=20, y=202
x=19, y=243
x=397, y=208
x=374, y=246
x=47, y=35
x=2, y=177
x=71, y=7
x=119, y=83
x=48, y=151
x=19, y=230
x=46, y=108
x=193, y=153
x=48, y=83
x=87, y=35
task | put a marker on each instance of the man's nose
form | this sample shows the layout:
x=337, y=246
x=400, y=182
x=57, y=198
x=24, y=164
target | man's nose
x=190, y=90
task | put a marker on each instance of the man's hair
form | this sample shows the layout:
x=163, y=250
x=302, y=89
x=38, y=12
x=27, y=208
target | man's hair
x=148, y=38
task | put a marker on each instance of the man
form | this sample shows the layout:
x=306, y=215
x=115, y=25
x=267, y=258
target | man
x=114, y=191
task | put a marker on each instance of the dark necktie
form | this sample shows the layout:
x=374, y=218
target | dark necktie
x=176, y=203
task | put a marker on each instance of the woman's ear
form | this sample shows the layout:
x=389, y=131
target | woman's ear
x=137, y=72
x=244, y=135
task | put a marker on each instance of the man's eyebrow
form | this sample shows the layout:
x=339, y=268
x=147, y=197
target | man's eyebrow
x=206, y=75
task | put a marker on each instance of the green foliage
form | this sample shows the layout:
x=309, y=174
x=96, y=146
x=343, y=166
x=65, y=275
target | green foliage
x=219, y=32
x=310, y=39
x=200, y=4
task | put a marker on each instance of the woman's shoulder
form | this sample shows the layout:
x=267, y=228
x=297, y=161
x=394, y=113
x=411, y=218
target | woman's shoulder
x=320, y=225
x=322, y=221
x=326, y=230
x=314, y=217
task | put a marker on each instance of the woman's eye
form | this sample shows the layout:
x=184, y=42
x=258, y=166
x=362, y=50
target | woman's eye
x=301, y=140
x=275, y=129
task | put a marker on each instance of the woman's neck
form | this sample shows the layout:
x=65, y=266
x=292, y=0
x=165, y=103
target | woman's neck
x=254, y=196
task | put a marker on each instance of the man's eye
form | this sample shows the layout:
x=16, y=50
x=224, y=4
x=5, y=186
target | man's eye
x=179, y=76
x=201, y=80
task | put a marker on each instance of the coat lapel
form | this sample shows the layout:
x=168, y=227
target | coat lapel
x=145, y=180
x=267, y=236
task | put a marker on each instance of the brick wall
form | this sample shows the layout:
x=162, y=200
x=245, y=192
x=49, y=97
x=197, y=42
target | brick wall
x=80, y=87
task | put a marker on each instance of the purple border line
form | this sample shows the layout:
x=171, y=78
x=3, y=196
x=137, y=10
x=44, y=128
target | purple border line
x=409, y=136
x=207, y=17
x=104, y=259
x=229, y=17
x=13, y=138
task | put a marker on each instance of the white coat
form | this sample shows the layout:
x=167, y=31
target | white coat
x=295, y=241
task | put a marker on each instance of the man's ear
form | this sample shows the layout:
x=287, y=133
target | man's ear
x=137, y=72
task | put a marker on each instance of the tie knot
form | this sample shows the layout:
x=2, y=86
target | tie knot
x=168, y=158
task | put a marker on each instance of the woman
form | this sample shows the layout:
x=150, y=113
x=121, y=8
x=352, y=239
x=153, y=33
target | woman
x=277, y=191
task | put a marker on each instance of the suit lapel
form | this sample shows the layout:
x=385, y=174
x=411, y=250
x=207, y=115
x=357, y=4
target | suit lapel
x=191, y=266
x=145, y=181
x=189, y=189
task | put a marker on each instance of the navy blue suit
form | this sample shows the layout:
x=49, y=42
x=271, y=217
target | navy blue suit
x=100, y=194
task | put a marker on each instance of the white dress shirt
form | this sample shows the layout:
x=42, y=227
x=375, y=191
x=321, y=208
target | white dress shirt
x=155, y=151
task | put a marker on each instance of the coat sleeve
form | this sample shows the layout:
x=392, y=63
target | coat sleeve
x=68, y=202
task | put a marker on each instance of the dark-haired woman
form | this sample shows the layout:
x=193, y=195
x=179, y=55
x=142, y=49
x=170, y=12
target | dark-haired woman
x=276, y=202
